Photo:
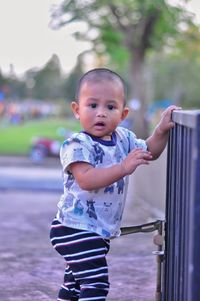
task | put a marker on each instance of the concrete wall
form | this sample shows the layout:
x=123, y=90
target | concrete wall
x=147, y=189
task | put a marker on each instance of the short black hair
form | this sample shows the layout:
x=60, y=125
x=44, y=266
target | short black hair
x=100, y=74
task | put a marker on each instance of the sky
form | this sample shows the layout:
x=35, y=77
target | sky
x=26, y=40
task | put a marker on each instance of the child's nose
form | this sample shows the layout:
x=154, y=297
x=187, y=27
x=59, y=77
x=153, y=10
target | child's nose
x=101, y=112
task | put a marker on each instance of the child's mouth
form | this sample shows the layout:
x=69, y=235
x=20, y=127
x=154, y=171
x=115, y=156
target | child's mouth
x=100, y=124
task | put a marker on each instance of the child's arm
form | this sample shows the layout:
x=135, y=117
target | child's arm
x=90, y=178
x=157, y=141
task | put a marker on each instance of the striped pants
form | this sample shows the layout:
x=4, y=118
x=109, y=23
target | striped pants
x=86, y=273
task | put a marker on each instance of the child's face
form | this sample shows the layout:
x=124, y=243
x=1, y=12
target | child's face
x=100, y=108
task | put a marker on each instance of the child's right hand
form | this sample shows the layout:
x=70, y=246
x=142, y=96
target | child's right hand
x=135, y=158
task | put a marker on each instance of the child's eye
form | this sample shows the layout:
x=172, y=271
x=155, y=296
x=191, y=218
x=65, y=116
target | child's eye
x=110, y=107
x=93, y=105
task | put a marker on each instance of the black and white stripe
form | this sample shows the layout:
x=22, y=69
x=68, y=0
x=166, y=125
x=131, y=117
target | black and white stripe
x=86, y=273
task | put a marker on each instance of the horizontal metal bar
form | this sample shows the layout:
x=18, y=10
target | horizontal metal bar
x=186, y=118
x=145, y=228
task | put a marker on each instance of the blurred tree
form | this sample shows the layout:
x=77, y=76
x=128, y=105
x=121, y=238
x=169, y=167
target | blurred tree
x=47, y=82
x=125, y=29
x=30, y=82
x=175, y=73
x=16, y=88
x=3, y=81
x=188, y=42
x=11, y=86
x=71, y=80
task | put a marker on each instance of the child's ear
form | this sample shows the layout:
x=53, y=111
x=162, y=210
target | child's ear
x=125, y=113
x=75, y=109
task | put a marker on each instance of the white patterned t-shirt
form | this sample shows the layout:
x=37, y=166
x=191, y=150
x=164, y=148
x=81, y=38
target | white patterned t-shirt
x=100, y=210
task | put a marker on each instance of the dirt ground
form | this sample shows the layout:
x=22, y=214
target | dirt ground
x=31, y=269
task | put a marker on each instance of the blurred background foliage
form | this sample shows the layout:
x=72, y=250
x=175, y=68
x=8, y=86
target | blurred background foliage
x=143, y=40
x=154, y=45
x=126, y=34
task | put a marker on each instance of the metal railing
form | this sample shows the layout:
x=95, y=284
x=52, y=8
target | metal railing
x=181, y=273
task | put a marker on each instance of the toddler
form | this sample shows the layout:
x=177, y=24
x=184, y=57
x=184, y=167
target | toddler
x=96, y=164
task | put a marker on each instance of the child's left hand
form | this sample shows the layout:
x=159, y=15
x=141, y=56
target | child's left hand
x=166, y=122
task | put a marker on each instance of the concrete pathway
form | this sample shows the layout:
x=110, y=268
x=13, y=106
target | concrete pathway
x=30, y=268
x=35, y=178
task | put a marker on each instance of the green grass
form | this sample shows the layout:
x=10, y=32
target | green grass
x=16, y=139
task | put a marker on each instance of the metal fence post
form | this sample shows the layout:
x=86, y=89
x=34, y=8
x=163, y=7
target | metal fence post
x=181, y=273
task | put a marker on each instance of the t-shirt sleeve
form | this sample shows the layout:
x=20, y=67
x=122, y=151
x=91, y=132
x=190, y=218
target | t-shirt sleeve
x=75, y=150
x=131, y=141
x=135, y=142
